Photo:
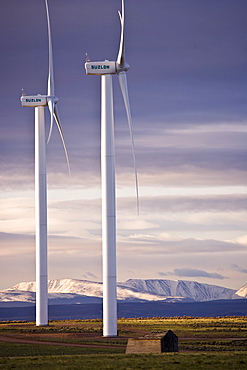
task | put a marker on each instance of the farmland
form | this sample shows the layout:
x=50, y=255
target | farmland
x=207, y=343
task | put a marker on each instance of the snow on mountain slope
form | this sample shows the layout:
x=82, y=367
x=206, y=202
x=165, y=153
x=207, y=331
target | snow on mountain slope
x=10, y=295
x=85, y=287
x=180, y=288
x=130, y=290
x=242, y=292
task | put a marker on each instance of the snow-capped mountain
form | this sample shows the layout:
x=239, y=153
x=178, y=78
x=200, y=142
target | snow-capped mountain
x=83, y=291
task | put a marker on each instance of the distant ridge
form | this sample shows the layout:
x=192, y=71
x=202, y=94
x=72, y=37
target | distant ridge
x=72, y=291
x=26, y=312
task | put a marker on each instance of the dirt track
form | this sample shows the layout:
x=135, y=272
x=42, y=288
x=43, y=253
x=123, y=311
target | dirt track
x=9, y=339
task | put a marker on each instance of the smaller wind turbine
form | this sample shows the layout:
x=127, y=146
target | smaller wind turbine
x=106, y=69
x=39, y=102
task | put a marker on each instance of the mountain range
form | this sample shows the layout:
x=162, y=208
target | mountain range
x=71, y=291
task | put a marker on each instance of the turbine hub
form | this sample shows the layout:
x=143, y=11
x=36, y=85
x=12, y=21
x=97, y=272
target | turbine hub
x=52, y=97
x=123, y=68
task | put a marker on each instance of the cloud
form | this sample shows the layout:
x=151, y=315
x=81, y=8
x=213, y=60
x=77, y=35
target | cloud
x=90, y=275
x=22, y=244
x=241, y=240
x=199, y=203
x=166, y=156
x=156, y=246
x=16, y=245
x=163, y=273
x=190, y=272
x=238, y=268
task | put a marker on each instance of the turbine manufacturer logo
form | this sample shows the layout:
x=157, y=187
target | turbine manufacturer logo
x=100, y=67
x=33, y=100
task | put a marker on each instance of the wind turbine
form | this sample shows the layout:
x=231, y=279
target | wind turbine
x=39, y=102
x=107, y=69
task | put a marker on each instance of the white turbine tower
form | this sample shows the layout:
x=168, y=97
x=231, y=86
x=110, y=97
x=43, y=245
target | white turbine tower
x=39, y=102
x=106, y=69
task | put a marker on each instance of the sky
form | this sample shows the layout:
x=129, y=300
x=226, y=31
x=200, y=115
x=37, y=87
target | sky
x=188, y=92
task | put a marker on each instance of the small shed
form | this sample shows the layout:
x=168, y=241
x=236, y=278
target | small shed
x=155, y=344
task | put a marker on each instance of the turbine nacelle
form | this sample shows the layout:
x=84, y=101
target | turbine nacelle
x=33, y=100
x=104, y=68
x=37, y=100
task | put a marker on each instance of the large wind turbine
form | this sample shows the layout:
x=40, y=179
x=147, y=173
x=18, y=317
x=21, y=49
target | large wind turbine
x=106, y=69
x=39, y=102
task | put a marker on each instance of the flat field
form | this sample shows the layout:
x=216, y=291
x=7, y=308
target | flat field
x=204, y=343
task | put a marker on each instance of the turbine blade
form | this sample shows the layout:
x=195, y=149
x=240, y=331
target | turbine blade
x=124, y=89
x=50, y=87
x=121, y=52
x=51, y=106
x=62, y=137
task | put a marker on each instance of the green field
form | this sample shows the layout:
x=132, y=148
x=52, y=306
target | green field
x=205, y=343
